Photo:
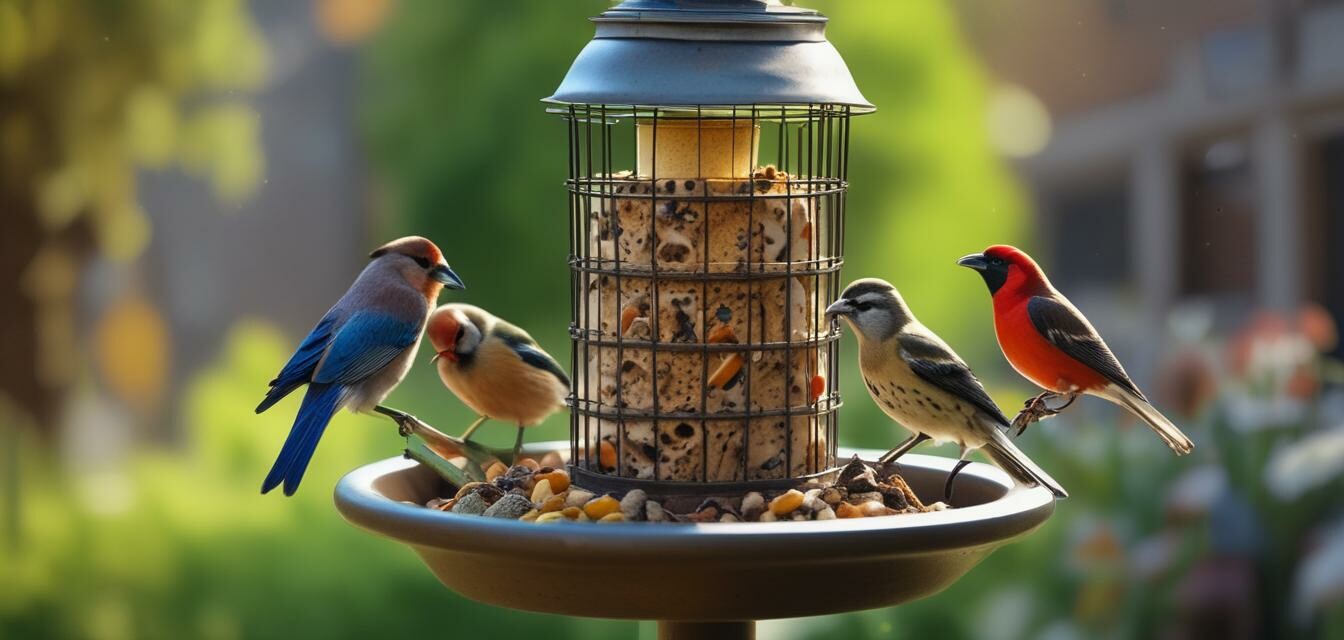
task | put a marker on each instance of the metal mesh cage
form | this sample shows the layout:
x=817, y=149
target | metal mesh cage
x=705, y=244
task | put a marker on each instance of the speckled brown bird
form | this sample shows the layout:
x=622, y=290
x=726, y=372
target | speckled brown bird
x=918, y=381
x=495, y=368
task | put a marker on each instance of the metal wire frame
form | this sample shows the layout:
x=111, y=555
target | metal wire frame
x=811, y=146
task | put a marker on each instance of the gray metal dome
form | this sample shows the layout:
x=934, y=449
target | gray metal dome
x=709, y=53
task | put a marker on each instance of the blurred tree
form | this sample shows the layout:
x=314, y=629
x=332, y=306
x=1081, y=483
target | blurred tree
x=89, y=92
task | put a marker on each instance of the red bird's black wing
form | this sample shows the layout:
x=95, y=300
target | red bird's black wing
x=938, y=365
x=1065, y=327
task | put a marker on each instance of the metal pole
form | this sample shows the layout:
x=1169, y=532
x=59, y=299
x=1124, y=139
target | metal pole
x=683, y=630
x=13, y=512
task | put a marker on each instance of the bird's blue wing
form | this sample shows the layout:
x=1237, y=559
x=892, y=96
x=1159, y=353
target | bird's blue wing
x=364, y=345
x=299, y=369
x=319, y=404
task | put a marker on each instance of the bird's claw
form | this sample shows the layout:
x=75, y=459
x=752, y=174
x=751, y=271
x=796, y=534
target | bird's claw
x=405, y=422
x=1037, y=408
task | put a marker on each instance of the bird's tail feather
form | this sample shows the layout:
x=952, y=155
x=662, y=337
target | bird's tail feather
x=1008, y=457
x=1173, y=436
x=276, y=394
x=320, y=403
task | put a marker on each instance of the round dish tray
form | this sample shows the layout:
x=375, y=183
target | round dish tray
x=700, y=573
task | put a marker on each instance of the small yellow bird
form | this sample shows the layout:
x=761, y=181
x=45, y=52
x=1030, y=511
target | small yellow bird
x=495, y=368
x=918, y=381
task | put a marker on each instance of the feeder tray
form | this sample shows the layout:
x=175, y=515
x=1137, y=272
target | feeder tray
x=705, y=580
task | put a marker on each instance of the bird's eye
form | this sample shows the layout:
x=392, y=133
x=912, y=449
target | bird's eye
x=998, y=262
x=422, y=261
x=863, y=306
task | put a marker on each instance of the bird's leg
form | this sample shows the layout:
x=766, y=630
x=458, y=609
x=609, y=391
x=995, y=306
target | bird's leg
x=466, y=435
x=1038, y=408
x=518, y=444
x=421, y=437
x=947, y=488
x=901, y=449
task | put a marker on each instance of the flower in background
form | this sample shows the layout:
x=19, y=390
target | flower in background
x=1098, y=554
x=1275, y=361
x=1192, y=496
x=1316, y=323
x=1319, y=582
x=1301, y=466
x=1153, y=557
x=1188, y=382
x=1217, y=599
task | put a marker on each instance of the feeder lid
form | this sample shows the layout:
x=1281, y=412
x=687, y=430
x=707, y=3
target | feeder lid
x=709, y=53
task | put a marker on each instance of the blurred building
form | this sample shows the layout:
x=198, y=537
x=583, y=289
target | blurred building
x=287, y=251
x=1189, y=152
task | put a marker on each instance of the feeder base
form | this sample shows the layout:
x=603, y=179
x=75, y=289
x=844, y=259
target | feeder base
x=719, y=572
x=679, y=630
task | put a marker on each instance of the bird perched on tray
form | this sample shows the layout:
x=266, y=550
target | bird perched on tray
x=918, y=381
x=360, y=350
x=1051, y=344
x=495, y=368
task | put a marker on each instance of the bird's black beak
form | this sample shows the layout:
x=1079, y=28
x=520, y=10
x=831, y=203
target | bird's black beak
x=444, y=274
x=841, y=307
x=975, y=261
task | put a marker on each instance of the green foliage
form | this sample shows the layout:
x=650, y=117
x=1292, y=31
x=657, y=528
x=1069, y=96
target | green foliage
x=181, y=545
x=94, y=90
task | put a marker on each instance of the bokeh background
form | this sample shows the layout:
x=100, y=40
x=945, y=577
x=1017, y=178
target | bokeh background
x=185, y=187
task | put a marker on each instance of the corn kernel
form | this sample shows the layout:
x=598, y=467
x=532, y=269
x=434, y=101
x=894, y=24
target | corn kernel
x=787, y=502
x=599, y=507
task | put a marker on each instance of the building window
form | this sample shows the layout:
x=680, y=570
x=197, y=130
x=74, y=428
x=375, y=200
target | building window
x=1218, y=253
x=1090, y=243
x=1326, y=270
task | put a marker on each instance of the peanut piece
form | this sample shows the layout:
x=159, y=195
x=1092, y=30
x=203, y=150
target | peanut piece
x=542, y=492
x=552, y=504
x=847, y=510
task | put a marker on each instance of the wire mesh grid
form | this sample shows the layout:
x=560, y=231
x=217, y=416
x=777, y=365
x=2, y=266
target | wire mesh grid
x=699, y=278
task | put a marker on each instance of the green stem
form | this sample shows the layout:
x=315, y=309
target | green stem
x=417, y=450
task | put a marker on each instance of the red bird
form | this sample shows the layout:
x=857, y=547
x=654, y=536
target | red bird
x=1051, y=344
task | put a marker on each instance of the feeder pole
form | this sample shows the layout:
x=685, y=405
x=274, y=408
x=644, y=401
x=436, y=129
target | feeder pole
x=681, y=630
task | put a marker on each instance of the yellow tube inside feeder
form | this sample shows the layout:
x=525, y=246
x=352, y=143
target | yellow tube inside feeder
x=697, y=148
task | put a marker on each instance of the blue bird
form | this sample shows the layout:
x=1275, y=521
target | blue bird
x=360, y=350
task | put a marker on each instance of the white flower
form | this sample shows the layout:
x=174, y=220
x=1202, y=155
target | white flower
x=1194, y=493
x=1301, y=466
x=1320, y=575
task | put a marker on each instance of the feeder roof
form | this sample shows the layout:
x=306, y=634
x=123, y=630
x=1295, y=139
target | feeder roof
x=685, y=53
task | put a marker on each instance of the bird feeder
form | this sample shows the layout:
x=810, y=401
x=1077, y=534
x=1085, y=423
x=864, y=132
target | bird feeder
x=708, y=147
